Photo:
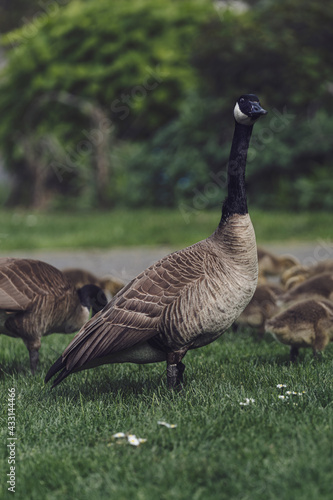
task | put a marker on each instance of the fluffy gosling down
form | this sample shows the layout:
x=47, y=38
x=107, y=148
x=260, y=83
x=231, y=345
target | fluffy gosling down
x=274, y=265
x=316, y=287
x=187, y=299
x=36, y=299
x=308, y=323
x=80, y=277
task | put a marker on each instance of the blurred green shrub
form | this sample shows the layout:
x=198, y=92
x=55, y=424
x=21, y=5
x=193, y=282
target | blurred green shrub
x=130, y=103
x=86, y=73
x=184, y=164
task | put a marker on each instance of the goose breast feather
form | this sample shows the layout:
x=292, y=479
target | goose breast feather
x=188, y=298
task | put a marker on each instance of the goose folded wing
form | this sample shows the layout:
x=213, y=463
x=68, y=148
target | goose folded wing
x=134, y=315
x=13, y=293
x=22, y=280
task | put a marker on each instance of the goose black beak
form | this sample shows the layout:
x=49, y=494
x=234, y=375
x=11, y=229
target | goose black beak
x=256, y=110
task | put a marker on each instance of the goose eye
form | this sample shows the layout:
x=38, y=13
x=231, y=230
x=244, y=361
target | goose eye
x=241, y=100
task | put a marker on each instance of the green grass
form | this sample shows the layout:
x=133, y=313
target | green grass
x=117, y=228
x=271, y=449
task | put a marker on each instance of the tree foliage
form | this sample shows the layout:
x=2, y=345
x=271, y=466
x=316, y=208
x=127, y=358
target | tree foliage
x=130, y=102
x=127, y=61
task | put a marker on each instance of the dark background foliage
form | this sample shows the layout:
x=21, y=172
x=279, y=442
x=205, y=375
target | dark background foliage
x=130, y=103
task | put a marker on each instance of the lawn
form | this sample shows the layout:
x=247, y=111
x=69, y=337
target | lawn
x=272, y=448
x=118, y=228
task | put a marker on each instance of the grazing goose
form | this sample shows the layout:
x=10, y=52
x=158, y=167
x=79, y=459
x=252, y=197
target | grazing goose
x=308, y=323
x=261, y=307
x=81, y=277
x=36, y=299
x=274, y=265
x=187, y=299
x=320, y=287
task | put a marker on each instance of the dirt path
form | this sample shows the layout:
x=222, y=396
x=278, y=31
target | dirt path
x=126, y=263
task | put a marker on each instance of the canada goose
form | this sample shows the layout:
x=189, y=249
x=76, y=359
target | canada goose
x=320, y=287
x=308, y=323
x=81, y=277
x=187, y=299
x=36, y=299
x=274, y=265
x=261, y=307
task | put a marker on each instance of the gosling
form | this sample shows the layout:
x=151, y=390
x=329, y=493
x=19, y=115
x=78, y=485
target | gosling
x=308, y=323
x=81, y=277
x=274, y=265
x=316, y=287
x=261, y=307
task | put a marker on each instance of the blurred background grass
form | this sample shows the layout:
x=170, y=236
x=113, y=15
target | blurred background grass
x=21, y=230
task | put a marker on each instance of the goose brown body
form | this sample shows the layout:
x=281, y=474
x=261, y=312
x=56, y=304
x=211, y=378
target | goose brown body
x=185, y=300
x=35, y=300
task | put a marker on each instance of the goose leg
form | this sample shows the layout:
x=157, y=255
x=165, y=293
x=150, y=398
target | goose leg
x=34, y=356
x=293, y=353
x=175, y=368
x=33, y=347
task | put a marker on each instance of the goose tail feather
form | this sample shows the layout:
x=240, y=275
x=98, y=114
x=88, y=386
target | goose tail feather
x=55, y=368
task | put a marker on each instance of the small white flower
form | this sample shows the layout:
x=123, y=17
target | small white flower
x=169, y=426
x=280, y=386
x=247, y=401
x=131, y=438
x=283, y=397
x=134, y=441
x=119, y=435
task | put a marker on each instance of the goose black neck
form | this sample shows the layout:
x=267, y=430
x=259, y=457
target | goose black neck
x=235, y=202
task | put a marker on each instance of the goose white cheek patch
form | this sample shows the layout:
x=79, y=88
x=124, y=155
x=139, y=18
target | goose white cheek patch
x=241, y=117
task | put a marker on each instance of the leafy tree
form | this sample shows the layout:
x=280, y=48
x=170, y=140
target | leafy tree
x=280, y=49
x=24, y=11
x=125, y=61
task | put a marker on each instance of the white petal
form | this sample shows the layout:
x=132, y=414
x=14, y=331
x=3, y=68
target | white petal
x=170, y=426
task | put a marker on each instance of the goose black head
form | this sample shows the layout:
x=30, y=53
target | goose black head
x=92, y=296
x=247, y=109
